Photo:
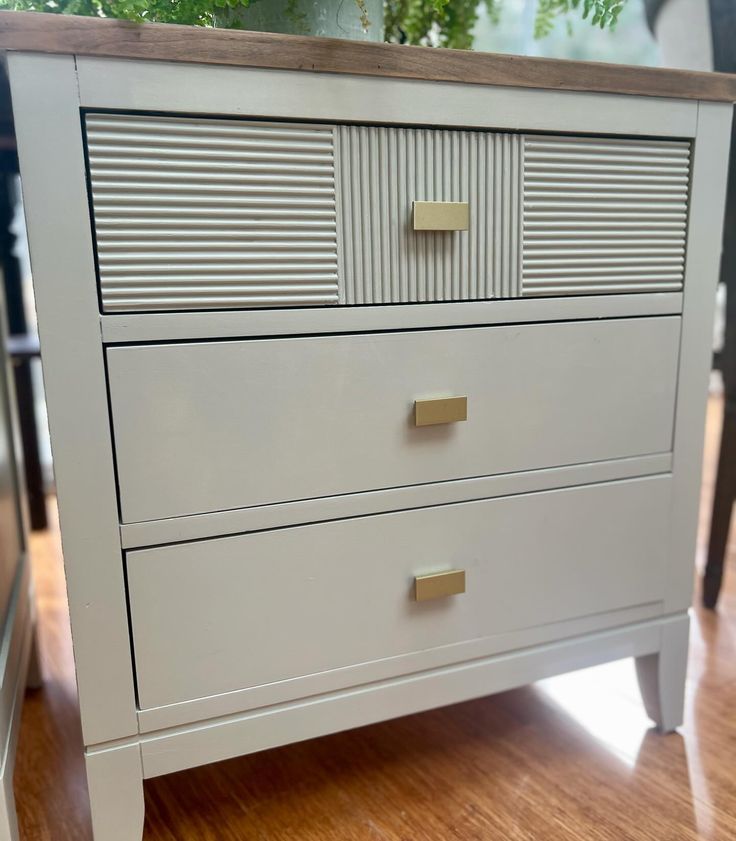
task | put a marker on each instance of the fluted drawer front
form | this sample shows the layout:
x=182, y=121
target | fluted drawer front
x=192, y=213
x=197, y=214
x=382, y=171
x=603, y=215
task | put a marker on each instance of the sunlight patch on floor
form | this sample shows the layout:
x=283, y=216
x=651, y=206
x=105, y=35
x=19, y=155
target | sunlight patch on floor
x=604, y=700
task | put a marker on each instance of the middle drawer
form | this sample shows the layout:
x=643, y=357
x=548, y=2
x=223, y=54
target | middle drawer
x=210, y=426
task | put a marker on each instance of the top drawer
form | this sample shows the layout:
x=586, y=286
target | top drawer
x=195, y=214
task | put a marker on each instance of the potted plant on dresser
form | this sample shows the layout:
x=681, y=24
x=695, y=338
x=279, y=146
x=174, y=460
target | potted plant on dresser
x=440, y=23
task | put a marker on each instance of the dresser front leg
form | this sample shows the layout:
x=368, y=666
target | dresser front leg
x=662, y=675
x=115, y=781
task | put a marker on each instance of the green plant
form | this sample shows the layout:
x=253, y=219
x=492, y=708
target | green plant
x=195, y=12
x=445, y=23
x=601, y=13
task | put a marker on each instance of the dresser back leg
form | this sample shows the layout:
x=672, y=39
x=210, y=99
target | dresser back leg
x=115, y=781
x=34, y=678
x=662, y=675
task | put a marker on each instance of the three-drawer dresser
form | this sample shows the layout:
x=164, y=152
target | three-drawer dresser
x=376, y=375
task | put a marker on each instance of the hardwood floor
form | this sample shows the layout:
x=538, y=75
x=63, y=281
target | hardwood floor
x=569, y=758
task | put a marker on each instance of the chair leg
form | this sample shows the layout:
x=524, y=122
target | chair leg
x=29, y=440
x=725, y=492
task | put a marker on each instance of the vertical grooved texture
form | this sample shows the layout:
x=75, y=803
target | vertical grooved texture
x=385, y=169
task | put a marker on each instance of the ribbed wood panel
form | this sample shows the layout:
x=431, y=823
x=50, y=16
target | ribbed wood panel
x=603, y=215
x=382, y=170
x=212, y=214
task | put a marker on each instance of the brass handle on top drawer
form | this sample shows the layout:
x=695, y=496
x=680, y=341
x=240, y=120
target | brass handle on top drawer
x=439, y=584
x=440, y=410
x=441, y=215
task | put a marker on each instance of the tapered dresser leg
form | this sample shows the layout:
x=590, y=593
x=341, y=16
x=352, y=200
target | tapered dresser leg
x=662, y=675
x=115, y=781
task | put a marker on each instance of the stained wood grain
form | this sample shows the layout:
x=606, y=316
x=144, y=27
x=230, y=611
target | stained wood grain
x=570, y=759
x=37, y=32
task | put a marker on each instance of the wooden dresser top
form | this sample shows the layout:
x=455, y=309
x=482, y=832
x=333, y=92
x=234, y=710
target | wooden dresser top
x=66, y=34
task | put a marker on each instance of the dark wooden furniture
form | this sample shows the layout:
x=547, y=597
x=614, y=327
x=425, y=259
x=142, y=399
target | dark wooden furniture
x=723, y=14
x=23, y=345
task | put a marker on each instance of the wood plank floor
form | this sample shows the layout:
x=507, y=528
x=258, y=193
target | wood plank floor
x=569, y=758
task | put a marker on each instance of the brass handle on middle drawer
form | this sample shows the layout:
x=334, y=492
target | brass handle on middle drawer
x=440, y=410
x=439, y=584
x=441, y=215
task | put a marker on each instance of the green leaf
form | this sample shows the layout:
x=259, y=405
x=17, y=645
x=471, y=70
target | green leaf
x=446, y=22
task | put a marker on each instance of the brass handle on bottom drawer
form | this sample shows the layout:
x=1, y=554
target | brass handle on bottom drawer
x=440, y=410
x=439, y=584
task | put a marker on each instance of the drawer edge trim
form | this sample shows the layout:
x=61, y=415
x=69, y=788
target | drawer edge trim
x=301, y=688
x=242, y=324
x=215, y=740
x=346, y=506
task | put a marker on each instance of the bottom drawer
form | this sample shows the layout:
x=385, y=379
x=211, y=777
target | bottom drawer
x=220, y=615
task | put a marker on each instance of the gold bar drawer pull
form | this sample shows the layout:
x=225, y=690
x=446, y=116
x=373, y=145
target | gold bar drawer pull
x=439, y=584
x=441, y=215
x=440, y=410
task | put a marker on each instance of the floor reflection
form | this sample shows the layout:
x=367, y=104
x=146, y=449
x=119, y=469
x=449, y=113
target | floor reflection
x=604, y=700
